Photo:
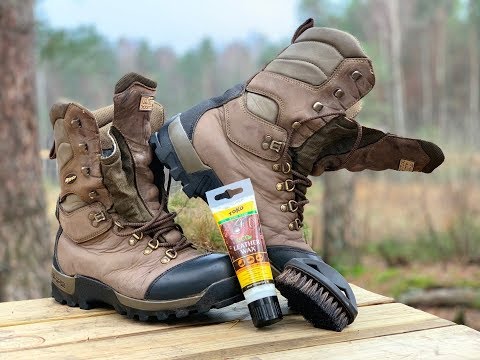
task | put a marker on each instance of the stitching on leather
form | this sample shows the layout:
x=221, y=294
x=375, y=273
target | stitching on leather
x=317, y=88
x=92, y=207
x=226, y=100
x=280, y=102
x=273, y=127
x=318, y=42
x=300, y=61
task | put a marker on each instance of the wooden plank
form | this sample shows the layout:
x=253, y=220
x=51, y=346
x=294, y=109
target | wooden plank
x=366, y=298
x=451, y=342
x=40, y=310
x=209, y=341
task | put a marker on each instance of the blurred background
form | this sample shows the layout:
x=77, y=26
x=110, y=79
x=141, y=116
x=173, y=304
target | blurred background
x=415, y=237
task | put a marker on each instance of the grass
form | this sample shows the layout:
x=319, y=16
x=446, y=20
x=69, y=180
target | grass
x=460, y=242
x=394, y=281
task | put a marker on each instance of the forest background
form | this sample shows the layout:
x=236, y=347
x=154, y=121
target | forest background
x=412, y=236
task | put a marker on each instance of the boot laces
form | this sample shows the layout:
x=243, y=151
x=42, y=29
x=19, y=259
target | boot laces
x=297, y=205
x=161, y=223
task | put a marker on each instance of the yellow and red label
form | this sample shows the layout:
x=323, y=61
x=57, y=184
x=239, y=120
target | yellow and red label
x=241, y=230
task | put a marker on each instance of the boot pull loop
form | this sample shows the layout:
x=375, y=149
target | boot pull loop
x=306, y=25
x=53, y=153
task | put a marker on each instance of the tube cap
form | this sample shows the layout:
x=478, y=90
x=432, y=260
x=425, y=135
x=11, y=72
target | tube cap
x=265, y=311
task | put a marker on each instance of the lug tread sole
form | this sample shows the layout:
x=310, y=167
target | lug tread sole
x=91, y=294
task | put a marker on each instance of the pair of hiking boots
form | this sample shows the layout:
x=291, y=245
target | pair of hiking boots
x=117, y=242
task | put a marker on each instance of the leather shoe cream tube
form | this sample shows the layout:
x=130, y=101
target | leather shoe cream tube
x=235, y=212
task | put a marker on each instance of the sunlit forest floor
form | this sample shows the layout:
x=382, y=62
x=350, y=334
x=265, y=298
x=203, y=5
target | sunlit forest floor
x=410, y=234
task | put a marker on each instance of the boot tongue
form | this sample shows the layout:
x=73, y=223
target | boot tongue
x=133, y=103
x=336, y=138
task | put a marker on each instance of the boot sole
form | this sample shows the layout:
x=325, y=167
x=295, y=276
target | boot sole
x=88, y=293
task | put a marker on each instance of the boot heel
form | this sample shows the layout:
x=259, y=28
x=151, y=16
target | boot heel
x=196, y=177
x=62, y=297
x=64, y=291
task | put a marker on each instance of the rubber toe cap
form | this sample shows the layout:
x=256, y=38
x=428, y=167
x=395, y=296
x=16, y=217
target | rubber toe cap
x=191, y=278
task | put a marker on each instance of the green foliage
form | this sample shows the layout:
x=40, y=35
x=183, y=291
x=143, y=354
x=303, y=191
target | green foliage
x=460, y=242
x=81, y=49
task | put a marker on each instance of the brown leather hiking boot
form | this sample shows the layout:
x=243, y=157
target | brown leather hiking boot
x=117, y=244
x=285, y=123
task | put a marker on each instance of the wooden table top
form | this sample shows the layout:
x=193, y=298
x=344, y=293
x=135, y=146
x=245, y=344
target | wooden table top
x=43, y=329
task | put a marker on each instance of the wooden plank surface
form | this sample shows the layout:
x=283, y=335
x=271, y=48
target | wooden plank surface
x=451, y=342
x=41, y=310
x=110, y=336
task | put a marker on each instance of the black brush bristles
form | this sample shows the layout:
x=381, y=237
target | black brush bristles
x=308, y=297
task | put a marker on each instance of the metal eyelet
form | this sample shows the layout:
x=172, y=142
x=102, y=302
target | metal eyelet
x=292, y=206
x=120, y=226
x=83, y=148
x=76, y=123
x=70, y=178
x=284, y=167
x=152, y=245
x=96, y=218
x=270, y=144
x=135, y=239
x=170, y=254
x=296, y=125
x=85, y=170
x=318, y=106
x=356, y=75
x=338, y=93
x=93, y=194
x=294, y=225
x=287, y=185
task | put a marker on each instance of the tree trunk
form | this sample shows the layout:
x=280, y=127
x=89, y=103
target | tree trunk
x=338, y=219
x=24, y=231
x=474, y=101
x=426, y=76
x=396, y=64
x=441, y=66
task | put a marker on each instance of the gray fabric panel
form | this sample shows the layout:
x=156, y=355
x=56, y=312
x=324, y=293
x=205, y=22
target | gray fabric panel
x=297, y=69
x=262, y=106
x=322, y=55
x=184, y=148
x=345, y=43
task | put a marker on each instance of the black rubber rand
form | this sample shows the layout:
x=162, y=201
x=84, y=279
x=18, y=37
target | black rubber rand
x=198, y=183
x=90, y=293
